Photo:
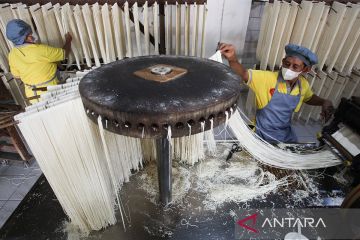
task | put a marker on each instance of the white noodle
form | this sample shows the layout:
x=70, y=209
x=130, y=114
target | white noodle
x=274, y=156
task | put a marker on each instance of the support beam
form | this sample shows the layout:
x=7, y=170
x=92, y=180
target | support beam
x=164, y=162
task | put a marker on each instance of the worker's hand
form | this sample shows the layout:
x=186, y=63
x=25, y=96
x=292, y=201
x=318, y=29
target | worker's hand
x=228, y=51
x=327, y=110
x=67, y=45
x=68, y=37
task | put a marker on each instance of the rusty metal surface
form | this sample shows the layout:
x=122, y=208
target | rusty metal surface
x=136, y=107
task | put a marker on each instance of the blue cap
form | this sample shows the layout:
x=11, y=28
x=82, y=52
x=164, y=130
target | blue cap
x=17, y=30
x=304, y=54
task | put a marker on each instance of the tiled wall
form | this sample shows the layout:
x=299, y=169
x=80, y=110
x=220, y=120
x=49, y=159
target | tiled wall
x=252, y=34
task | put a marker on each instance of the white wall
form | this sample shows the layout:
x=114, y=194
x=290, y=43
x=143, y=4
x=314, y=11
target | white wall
x=235, y=22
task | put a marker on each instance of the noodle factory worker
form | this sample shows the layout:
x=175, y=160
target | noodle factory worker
x=35, y=64
x=280, y=93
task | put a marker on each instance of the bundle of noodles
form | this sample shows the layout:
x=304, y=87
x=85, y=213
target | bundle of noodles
x=274, y=156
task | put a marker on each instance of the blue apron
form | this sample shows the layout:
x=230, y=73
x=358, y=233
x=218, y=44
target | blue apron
x=273, y=122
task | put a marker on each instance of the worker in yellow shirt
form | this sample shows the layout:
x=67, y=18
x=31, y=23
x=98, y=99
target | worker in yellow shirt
x=279, y=94
x=35, y=64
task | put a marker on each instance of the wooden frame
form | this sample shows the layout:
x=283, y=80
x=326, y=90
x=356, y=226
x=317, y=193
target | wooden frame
x=301, y=22
x=351, y=13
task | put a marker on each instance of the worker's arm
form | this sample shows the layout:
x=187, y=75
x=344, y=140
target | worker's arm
x=327, y=106
x=67, y=45
x=228, y=51
x=55, y=54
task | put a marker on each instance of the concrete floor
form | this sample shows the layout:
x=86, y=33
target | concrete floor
x=306, y=132
x=16, y=180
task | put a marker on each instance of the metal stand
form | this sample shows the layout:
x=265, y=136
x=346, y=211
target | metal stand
x=164, y=169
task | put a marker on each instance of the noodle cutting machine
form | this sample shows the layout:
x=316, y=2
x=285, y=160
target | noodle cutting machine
x=342, y=135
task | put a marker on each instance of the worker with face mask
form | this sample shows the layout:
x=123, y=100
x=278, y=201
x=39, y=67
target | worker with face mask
x=279, y=94
x=35, y=64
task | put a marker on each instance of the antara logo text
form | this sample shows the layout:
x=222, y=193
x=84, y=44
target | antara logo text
x=288, y=222
x=294, y=222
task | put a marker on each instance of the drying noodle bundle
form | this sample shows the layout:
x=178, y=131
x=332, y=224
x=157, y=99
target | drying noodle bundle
x=188, y=149
x=65, y=144
x=274, y=156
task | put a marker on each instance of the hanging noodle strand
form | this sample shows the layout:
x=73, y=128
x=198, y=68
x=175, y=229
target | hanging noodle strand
x=274, y=156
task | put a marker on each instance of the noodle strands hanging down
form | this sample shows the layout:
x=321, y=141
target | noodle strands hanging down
x=274, y=156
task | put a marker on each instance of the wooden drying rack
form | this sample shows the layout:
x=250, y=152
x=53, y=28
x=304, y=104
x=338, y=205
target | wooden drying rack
x=8, y=129
x=162, y=49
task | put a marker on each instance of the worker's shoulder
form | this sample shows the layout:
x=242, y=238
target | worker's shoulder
x=40, y=46
x=304, y=81
x=26, y=48
x=268, y=75
x=37, y=47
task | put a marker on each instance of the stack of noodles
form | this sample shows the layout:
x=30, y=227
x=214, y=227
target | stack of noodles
x=84, y=163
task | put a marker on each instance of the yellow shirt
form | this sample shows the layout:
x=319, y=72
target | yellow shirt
x=35, y=64
x=263, y=84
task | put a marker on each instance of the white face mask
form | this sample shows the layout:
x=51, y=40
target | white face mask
x=288, y=74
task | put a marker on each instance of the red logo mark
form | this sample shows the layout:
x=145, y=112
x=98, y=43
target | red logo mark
x=253, y=218
x=272, y=90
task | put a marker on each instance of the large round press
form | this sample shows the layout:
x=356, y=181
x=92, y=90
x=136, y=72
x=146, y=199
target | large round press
x=143, y=96
x=160, y=97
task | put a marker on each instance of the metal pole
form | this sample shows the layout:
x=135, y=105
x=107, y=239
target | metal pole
x=164, y=162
